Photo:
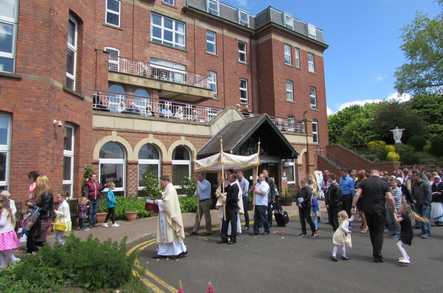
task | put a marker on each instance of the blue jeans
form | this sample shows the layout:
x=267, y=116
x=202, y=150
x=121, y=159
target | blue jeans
x=425, y=211
x=92, y=212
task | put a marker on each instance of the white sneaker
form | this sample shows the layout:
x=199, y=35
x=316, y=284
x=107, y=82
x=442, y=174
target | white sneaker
x=404, y=261
x=115, y=225
x=105, y=225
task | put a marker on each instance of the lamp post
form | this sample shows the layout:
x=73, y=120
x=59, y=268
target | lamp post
x=397, y=133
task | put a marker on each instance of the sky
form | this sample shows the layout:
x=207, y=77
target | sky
x=364, y=38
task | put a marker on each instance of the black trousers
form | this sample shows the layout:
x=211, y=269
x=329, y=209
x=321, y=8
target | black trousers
x=305, y=216
x=245, y=208
x=230, y=218
x=111, y=214
x=260, y=219
x=347, y=204
x=333, y=217
x=376, y=225
x=270, y=214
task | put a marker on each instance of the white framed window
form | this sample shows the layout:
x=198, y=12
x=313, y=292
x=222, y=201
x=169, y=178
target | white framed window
x=168, y=31
x=244, y=98
x=213, y=7
x=287, y=54
x=242, y=52
x=297, y=57
x=291, y=123
x=212, y=81
x=112, y=165
x=289, y=169
x=315, y=131
x=5, y=147
x=68, y=160
x=113, y=59
x=169, y=2
x=71, y=56
x=243, y=17
x=8, y=31
x=313, y=97
x=148, y=162
x=181, y=165
x=289, y=91
x=113, y=8
x=166, y=70
x=211, y=42
x=289, y=21
x=311, y=62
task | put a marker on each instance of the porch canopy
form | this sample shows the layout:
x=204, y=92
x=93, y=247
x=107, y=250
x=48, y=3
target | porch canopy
x=241, y=138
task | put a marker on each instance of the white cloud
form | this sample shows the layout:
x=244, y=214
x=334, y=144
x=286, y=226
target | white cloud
x=329, y=111
x=394, y=97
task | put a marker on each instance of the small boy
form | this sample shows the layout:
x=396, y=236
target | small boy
x=111, y=203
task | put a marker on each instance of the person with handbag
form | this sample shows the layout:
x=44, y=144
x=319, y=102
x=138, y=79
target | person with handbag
x=62, y=222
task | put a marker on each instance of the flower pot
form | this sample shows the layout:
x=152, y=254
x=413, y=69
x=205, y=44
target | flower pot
x=100, y=217
x=131, y=216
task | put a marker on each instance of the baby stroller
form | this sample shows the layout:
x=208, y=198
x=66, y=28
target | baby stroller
x=28, y=221
x=280, y=215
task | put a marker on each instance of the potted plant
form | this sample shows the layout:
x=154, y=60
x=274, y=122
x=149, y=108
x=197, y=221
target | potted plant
x=151, y=189
x=101, y=211
x=131, y=215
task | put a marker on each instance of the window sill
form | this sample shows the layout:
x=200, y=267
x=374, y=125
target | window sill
x=315, y=110
x=212, y=54
x=244, y=63
x=74, y=93
x=112, y=26
x=10, y=75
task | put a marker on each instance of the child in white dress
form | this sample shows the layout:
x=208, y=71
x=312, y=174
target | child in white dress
x=342, y=236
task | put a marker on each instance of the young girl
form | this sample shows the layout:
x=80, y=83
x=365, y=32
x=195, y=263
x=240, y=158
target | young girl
x=404, y=218
x=111, y=203
x=342, y=236
x=8, y=239
x=315, y=211
x=83, y=205
x=63, y=215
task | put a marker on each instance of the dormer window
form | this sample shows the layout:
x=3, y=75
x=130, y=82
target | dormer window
x=243, y=18
x=213, y=7
x=312, y=31
x=289, y=21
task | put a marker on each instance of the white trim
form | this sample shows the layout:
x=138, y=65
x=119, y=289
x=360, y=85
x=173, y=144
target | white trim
x=113, y=62
x=169, y=2
x=315, y=133
x=173, y=31
x=291, y=164
x=6, y=148
x=214, y=42
x=212, y=79
x=313, y=95
x=244, y=13
x=212, y=11
x=148, y=163
x=311, y=62
x=110, y=11
x=242, y=52
x=70, y=154
x=12, y=21
x=297, y=55
x=73, y=47
x=244, y=89
x=113, y=162
x=287, y=49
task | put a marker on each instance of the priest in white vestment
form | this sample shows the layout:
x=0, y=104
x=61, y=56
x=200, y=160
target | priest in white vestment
x=170, y=233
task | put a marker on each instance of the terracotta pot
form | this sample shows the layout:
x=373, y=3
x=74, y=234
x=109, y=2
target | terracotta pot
x=100, y=217
x=131, y=216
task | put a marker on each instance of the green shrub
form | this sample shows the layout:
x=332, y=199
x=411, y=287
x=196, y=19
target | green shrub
x=417, y=141
x=130, y=204
x=393, y=156
x=437, y=146
x=189, y=186
x=408, y=155
x=378, y=147
x=390, y=148
x=89, y=264
x=152, y=186
x=188, y=204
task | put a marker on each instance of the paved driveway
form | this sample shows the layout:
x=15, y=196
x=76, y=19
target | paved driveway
x=284, y=262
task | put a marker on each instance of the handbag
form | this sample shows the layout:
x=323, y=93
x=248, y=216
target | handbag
x=59, y=226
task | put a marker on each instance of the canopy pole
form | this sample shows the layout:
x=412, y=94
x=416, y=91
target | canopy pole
x=258, y=163
x=222, y=165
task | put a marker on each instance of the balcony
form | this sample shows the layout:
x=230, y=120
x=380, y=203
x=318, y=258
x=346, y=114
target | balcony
x=170, y=82
x=291, y=126
x=152, y=108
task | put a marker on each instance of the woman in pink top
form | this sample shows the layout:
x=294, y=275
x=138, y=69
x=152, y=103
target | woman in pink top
x=32, y=177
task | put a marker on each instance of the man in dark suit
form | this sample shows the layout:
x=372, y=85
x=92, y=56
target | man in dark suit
x=231, y=211
x=271, y=195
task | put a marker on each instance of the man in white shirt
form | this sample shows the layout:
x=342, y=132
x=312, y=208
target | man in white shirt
x=261, y=191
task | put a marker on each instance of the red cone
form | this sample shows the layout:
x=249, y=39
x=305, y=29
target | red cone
x=210, y=288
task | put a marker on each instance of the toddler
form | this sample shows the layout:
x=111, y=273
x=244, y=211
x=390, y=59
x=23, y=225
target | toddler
x=342, y=236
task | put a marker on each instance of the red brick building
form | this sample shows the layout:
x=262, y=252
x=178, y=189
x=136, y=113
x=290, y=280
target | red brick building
x=133, y=85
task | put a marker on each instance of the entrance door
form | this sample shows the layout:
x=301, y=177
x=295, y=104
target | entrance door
x=273, y=170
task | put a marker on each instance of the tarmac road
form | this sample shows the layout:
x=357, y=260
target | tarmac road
x=284, y=262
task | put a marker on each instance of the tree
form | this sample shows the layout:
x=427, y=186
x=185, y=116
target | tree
x=400, y=115
x=430, y=108
x=423, y=47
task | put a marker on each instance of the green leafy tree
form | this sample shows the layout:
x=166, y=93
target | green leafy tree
x=151, y=185
x=423, y=47
x=430, y=108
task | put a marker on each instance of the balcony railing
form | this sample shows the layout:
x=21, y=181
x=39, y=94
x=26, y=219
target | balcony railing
x=149, y=107
x=284, y=124
x=151, y=71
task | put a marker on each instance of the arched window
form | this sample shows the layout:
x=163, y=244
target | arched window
x=116, y=98
x=141, y=93
x=148, y=161
x=181, y=164
x=116, y=89
x=112, y=161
